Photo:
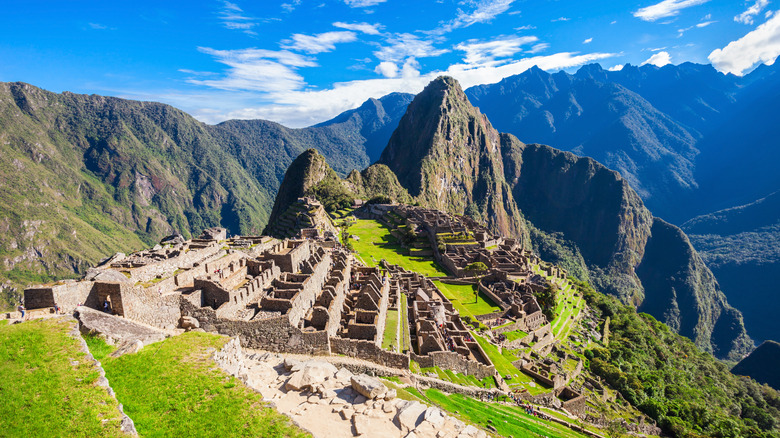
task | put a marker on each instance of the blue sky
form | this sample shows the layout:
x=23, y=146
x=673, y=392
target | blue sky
x=305, y=61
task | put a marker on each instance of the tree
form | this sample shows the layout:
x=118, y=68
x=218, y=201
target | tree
x=615, y=429
x=476, y=267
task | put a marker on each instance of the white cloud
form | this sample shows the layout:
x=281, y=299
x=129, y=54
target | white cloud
x=526, y=27
x=387, y=69
x=362, y=3
x=233, y=17
x=616, y=67
x=405, y=45
x=667, y=8
x=541, y=47
x=659, y=59
x=370, y=29
x=289, y=7
x=747, y=16
x=257, y=70
x=323, y=42
x=588, y=41
x=699, y=25
x=487, y=52
x=560, y=19
x=484, y=12
x=298, y=107
x=760, y=45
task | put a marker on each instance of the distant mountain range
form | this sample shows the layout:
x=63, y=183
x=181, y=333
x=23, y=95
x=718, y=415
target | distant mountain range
x=121, y=174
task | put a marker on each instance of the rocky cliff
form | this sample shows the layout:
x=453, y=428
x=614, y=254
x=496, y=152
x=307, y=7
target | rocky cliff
x=448, y=155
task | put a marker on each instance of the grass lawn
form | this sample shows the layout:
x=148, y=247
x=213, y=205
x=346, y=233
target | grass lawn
x=173, y=388
x=460, y=378
x=508, y=420
x=391, y=330
x=562, y=324
x=371, y=231
x=514, y=335
x=462, y=297
x=406, y=341
x=48, y=385
x=504, y=367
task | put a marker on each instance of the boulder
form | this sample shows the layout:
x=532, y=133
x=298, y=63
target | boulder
x=370, y=387
x=105, y=275
x=410, y=415
x=128, y=347
x=434, y=415
x=173, y=239
x=391, y=394
x=311, y=373
x=189, y=323
x=344, y=375
x=361, y=424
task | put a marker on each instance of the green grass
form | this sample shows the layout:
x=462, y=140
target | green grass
x=460, y=378
x=462, y=298
x=45, y=394
x=504, y=367
x=172, y=388
x=3, y=322
x=406, y=342
x=98, y=346
x=391, y=330
x=563, y=323
x=371, y=231
x=515, y=335
x=508, y=420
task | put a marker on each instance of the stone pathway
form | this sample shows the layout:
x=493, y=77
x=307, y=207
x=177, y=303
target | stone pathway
x=330, y=401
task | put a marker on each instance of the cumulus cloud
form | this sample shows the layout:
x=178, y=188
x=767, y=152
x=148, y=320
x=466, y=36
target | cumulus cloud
x=759, y=45
x=659, y=59
x=484, y=11
x=616, y=67
x=482, y=53
x=323, y=42
x=369, y=29
x=667, y=8
x=588, y=41
x=747, y=16
x=387, y=69
x=363, y=3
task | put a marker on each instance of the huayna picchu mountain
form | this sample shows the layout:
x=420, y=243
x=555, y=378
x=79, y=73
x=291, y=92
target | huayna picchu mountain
x=573, y=210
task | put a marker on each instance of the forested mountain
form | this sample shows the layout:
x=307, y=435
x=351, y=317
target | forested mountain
x=575, y=211
x=86, y=176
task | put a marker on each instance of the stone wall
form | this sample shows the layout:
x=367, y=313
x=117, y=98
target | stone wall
x=150, y=307
x=273, y=334
x=167, y=267
x=68, y=295
x=449, y=360
x=368, y=350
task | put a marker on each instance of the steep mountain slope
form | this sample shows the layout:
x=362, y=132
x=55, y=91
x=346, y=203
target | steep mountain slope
x=761, y=364
x=742, y=247
x=582, y=206
x=310, y=175
x=449, y=156
x=85, y=176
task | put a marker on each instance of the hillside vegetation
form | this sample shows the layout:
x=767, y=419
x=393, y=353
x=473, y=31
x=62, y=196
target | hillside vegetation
x=687, y=391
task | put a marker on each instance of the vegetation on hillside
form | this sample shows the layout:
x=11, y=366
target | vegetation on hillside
x=687, y=391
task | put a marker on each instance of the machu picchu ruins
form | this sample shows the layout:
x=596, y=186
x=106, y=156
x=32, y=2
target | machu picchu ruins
x=311, y=294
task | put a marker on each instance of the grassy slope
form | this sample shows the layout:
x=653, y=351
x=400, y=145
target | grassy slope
x=370, y=232
x=462, y=297
x=48, y=385
x=508, y=420
x=172, y=388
